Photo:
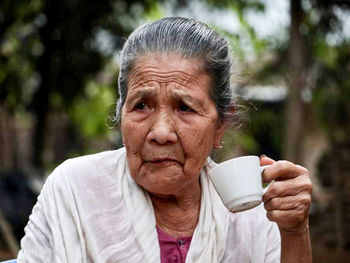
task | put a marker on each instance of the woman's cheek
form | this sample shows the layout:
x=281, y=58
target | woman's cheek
x=198, y=135
x=133, y=140
x=197, y=145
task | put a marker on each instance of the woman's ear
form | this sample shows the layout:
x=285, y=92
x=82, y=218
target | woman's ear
x=219, y=133
x=222, y=126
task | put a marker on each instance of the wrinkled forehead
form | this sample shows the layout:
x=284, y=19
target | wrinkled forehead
x=166, y=68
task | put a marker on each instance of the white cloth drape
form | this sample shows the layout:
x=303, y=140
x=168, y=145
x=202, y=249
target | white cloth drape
x=91, y=210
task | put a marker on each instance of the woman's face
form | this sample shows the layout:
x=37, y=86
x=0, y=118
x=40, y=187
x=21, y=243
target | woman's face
x=169, y=122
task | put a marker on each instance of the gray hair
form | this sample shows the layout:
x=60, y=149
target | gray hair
x=191, y=39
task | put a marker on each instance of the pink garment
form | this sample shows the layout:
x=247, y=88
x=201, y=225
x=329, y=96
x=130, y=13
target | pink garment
x=173, y=250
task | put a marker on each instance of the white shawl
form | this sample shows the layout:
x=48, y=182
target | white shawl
x=91, y=210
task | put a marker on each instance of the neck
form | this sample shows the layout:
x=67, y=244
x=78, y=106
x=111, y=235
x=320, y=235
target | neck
x=177, y=215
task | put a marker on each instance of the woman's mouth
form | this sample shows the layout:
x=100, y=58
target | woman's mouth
x=163, y=161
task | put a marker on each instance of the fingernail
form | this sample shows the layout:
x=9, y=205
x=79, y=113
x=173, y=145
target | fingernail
x=263, y=155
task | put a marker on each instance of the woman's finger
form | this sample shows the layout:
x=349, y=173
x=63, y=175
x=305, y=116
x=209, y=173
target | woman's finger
x=264, y=160
x=290, y=187
x=283, y=170
x=301, y=201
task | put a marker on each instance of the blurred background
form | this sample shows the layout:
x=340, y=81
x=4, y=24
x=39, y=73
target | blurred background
x=58, y=83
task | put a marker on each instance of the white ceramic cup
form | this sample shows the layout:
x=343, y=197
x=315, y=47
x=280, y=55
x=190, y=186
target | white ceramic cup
x=239, y=182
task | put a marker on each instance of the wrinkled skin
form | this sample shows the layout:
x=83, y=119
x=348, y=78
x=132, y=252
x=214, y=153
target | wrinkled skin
x=287, y=202
x=169, y=123
x=288, y=198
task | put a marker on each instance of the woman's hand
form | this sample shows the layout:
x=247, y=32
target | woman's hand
x=288, y=199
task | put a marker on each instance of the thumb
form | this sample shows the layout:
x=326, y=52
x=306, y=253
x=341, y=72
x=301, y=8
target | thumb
x=264, y=160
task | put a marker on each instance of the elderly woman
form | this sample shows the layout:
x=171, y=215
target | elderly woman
x=152, y=201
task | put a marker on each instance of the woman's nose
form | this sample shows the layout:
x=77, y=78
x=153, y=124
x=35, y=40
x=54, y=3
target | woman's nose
x=163, y=131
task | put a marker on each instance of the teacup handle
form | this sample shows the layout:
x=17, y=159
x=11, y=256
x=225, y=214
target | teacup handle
x=262, y=168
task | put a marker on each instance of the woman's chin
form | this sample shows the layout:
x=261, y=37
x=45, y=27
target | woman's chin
x=164, y=178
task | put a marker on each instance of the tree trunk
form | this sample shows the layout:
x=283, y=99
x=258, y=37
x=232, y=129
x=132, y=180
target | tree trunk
x=6, y=149
x=40, y=111
x=41, y=102
x=296, y=81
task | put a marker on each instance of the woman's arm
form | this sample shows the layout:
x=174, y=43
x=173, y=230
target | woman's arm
x=36, y=244
x=296, y=247
x=43, y=239
x=287, y=203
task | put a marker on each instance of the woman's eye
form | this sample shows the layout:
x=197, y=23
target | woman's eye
x=141, y=106
x=183, y=107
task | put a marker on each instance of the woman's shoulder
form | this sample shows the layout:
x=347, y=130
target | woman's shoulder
x=81, y=182
x=88, y=168
x=101, y=160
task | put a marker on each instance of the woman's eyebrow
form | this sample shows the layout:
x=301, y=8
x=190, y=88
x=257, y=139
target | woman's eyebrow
x=141, y=93
x=187, y=98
